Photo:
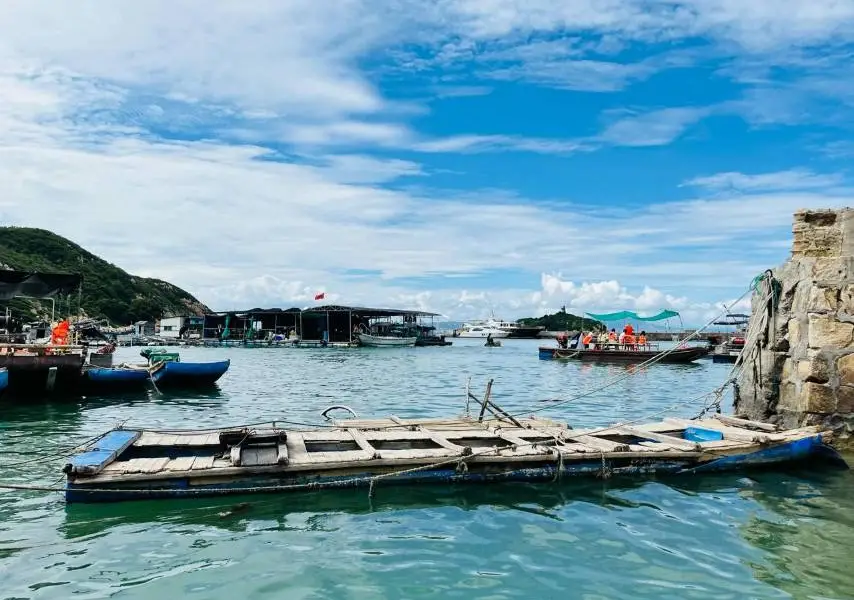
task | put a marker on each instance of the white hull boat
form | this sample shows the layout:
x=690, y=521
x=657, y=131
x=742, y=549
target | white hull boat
x=481, y=332
x=383, y=341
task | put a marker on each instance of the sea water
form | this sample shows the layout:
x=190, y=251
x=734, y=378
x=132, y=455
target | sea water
x=776, y=534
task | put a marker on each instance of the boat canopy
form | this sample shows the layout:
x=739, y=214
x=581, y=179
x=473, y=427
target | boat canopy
x=36, y=285
x=627, y=314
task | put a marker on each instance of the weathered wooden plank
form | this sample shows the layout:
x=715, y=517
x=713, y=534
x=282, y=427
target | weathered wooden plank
x=438, y=453
x=735, y=422
x=597, y=444
x=155, y=465
x=182, y=463
x=332, y=435
x=345, y=457
x=361, y=441
x=203, y=462
x=509, y=437
x=297, y=454
x=149, y=438
x=235, y=454
x=671, y=441
x=442, y=440
x=282, y=454
x=212, y=439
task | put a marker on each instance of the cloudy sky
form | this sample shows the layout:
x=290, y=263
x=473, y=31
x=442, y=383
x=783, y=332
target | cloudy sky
x=460, y=156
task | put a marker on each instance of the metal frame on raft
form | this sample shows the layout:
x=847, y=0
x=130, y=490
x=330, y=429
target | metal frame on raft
x=129, y=464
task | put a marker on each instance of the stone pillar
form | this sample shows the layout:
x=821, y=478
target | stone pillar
x=801, y=371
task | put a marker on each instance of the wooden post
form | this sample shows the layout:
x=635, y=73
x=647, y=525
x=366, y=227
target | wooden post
x=328, y=330
x=299, y=334
x=350, y=325
x=485, y=402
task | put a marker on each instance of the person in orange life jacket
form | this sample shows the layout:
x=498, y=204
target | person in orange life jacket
x=587, y=339
x=612, y=335
x=642, y=339
x=629, y=329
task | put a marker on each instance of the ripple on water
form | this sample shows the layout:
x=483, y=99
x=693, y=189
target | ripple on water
x=774, y=535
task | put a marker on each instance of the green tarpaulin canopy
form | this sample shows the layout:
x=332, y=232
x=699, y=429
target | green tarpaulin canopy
x=627, y=314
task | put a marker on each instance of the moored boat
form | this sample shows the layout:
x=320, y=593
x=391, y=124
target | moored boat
x=102, y=379
x=127, y=464
x=483, y=329
x=683, y=355
x=4, y=378
x=385, y=341
x=187, y=374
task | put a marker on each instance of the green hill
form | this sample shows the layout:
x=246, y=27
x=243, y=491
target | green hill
x=108, y=291
x=563, y=321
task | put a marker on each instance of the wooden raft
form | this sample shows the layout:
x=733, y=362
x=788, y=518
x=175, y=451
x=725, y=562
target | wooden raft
x=395, y=443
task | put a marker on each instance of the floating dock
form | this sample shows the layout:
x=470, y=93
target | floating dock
x=38, y=368
x=128, y=464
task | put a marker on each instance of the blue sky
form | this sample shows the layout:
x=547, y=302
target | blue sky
x=460, y=156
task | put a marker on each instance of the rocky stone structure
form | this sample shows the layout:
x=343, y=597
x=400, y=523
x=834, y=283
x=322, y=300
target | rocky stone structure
x=799, y=359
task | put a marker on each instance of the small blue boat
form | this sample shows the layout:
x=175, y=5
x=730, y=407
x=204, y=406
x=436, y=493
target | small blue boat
x=188, y=374
x=115, y=378
x=4, y=378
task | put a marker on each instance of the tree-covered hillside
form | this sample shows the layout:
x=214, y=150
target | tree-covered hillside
x=107, y=292
x=563, y=321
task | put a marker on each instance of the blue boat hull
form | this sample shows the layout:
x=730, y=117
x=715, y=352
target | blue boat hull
x=810, y=448
x=188, y=374
x=105, y=379
x=4, y=379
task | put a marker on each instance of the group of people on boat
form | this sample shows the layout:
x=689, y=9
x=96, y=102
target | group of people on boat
x=606, y=340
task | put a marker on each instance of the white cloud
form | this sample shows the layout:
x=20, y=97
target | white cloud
x=487, y=143
x=792, y=179
x=655, y=128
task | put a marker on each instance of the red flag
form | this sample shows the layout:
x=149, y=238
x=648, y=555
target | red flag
x=320, y=296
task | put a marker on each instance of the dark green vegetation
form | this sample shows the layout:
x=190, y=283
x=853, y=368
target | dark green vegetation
x=563, y=321
x=108, y=291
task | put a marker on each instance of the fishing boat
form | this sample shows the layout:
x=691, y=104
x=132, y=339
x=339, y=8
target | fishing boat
x=123, y=377
x=387, y=335
x=128, y=464
x=179, y=374
x=728, y=351
x=427, y=336
x=618, y=354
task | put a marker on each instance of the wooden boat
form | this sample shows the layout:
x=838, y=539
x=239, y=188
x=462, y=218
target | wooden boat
x=127, y=464
x=680, y=355
x=385, y=341
x=187, y=374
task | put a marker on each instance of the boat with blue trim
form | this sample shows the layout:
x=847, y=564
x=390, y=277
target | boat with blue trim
x=126, y=464
x=187, y=374
x=120, y=378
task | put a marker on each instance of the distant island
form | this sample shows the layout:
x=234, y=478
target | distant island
x=108, y=292
x=562, y=321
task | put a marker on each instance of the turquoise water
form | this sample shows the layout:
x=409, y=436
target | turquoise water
x=761, y=535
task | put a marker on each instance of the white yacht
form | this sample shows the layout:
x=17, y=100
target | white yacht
x=482, y=329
